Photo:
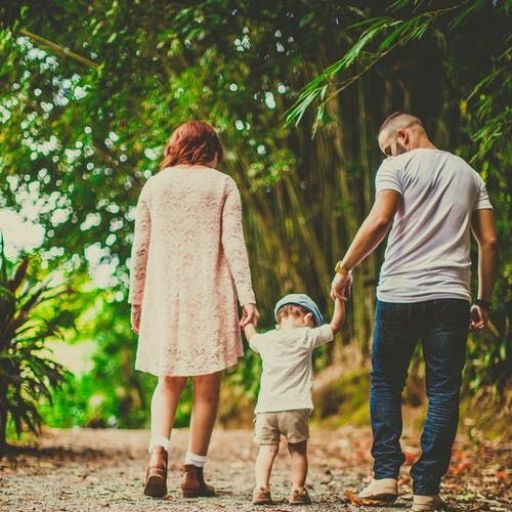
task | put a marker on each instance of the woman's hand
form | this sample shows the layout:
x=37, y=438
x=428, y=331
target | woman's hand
x=136, y=309
x=250, y=315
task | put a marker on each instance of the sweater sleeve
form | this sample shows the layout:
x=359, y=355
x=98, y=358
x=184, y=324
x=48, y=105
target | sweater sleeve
x=233, y=243
x=140, y=249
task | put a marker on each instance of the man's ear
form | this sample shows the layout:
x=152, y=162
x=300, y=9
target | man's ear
x=310, y=319
x=403, y=135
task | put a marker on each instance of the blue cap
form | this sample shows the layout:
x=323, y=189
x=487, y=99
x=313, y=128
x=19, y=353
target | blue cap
x=303, y=300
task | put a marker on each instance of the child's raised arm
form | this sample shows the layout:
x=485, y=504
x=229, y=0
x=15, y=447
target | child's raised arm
x=250, y=331
x=338, y=318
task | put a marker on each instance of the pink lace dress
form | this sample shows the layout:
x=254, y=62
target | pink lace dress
x=188, y=266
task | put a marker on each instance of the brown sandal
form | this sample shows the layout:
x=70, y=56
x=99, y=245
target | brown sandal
x=193, y=484
x=156, y=473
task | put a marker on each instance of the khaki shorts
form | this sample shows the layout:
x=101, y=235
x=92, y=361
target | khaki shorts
x=294, y=425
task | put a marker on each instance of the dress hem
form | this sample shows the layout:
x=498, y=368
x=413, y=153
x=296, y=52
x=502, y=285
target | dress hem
x=190, y=374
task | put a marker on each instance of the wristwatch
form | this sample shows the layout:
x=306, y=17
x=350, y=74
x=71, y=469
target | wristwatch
x=341, y=269
x=484, y=304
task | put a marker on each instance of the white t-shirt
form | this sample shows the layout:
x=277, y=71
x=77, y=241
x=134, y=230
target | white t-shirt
x=427, y=255
x=287, y=374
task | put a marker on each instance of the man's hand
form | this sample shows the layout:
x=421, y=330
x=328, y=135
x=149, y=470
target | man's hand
x=136, y=309
x=478, y=318
x=341, y=286
x=250, y=315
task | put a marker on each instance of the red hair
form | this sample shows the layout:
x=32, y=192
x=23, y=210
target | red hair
x=194, y=142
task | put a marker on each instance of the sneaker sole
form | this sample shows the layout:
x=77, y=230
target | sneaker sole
x=381, y=500
x=427, y=508
x=156, y=487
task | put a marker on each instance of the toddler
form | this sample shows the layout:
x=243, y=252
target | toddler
x=284, y=402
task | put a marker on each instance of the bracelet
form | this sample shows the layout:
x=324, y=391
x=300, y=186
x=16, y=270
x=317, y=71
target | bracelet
x=484, y=304
x=341, y=269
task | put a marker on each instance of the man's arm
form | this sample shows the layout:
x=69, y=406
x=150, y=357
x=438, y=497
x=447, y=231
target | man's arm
x=374, y=228
x=484, y=231
x=370, y=235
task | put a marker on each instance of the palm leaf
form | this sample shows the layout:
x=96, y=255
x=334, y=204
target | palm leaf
x=19, y=275
x=378, y=37
x=27, y=375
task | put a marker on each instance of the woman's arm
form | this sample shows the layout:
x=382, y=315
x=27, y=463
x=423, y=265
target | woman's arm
x=139, y=257
x=233, y=243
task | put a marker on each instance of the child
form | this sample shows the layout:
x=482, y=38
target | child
x=284, y=401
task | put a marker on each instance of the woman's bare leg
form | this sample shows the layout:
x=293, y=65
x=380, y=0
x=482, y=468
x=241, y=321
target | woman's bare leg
x=204, y=412
x=164, y=404
x=163, y=411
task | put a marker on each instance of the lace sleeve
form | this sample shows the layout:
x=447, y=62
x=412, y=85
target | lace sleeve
x=140, y=250
x=233, y=243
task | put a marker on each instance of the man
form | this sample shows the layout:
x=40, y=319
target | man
x=430, y=200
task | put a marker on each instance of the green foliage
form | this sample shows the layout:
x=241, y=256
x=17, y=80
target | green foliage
x=27, y=374
x=375, y=38
x=482, y=98
x=90, y=92
x=344, y=398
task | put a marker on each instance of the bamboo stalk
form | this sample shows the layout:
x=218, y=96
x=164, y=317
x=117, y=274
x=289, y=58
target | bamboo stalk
x=58, y=49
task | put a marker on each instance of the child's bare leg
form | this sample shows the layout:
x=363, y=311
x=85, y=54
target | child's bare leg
x=299, y=456
x=264, y=462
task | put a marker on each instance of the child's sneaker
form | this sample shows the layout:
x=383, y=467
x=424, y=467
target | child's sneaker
x=299, y=497
x=261, y=496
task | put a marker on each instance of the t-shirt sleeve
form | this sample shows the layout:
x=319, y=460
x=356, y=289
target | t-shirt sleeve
x=388, y=177
x=319, y=335
x=254, y=344
x=482, y=201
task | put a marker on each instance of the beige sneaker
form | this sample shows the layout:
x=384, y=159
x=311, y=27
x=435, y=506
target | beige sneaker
x=299, y=497
x=384, y=491
x=428, y=503
x=261, y=496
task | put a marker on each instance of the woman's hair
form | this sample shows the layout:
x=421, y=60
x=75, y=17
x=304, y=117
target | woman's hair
x=194, y=142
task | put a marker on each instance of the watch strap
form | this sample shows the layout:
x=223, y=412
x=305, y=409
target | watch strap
x=485, y=304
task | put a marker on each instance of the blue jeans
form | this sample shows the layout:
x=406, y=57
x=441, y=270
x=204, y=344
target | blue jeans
x=442, y=326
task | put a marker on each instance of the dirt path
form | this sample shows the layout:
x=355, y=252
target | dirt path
x=96, y=470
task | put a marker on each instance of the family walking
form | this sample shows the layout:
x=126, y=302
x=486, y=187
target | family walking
x=190, y=271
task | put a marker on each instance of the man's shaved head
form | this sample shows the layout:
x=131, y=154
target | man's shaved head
x=393, y=123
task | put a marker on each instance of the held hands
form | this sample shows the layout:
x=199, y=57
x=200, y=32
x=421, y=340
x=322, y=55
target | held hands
x=478, y=318
x=341, y=286
x=250, y=315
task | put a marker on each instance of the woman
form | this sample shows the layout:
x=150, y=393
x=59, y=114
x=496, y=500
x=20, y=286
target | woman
x=189, y=264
